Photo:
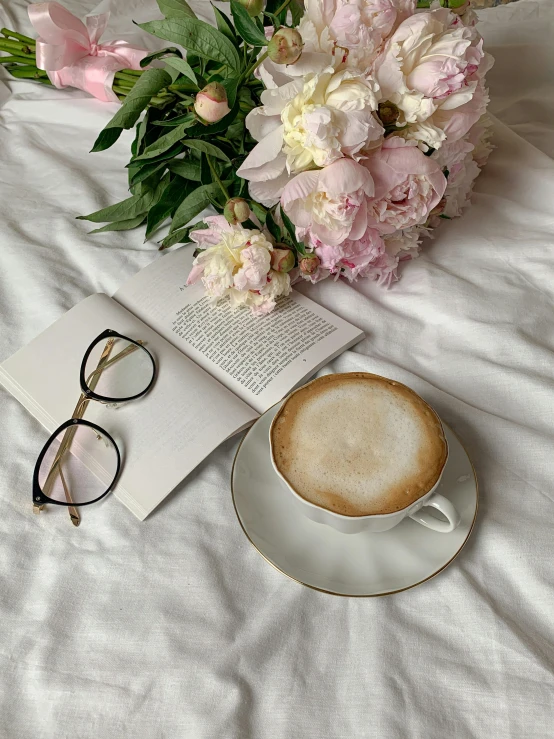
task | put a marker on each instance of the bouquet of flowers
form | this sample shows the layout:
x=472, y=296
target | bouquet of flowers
x=327, y=140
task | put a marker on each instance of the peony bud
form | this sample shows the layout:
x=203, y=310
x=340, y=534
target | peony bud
x=460, y=9
x=309, y=264
x=282, y=258
x=211, y=103
x=285, y=46
x=236, y=211
x=253, y=7
x=388, y=113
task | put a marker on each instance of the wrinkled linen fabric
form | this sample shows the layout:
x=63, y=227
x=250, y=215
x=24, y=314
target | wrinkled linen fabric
x=176, y=627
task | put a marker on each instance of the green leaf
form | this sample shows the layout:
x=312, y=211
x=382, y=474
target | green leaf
x=177, y=120
x=128, y=208
x=183, y=67
x=148, y=84
x=147, y=169
x=274, y=20
x=272, y=227
x=259, y=212
x=297, y=11
x=181, y=236
x=170, y=51
x=169, y=154
x=121, y=225
x=174, y=8
x=193, y=204
x=164, y=143
x=292, y=233
x=207, y=148
x=173, y=195
x=134, y=145
x=173, y=73
x=230, y=84
x=235, y=133
x=206, y=177
x=141, y=131
x=246, y=27
x=224, y=25
x=106, y=138
x=215, y=200
x=187, y=170
x=197, y=37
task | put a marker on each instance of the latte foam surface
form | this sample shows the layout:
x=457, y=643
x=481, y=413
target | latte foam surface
x=358, y=444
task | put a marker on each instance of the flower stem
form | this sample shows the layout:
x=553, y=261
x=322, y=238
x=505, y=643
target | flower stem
x=123, y=76
x=158, y=100
x=27, y=73
x=246, y=75
x=12, y=34
x=121, y=91
x=183, y=87
x=217, y=178
x=14, y=60
x=282, y=7
x=16, y=47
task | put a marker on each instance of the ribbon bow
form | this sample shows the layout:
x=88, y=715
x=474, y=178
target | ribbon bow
x=70, y=52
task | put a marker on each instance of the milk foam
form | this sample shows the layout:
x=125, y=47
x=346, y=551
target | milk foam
x=357, y=445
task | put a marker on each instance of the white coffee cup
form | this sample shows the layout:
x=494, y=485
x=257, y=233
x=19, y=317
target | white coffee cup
x=375, y=522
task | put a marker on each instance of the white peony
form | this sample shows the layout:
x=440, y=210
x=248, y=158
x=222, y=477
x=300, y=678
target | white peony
x=235, y=262
x=307, y=123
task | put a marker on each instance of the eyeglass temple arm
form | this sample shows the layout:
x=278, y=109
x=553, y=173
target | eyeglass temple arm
x=92, y=379
x=80, y=408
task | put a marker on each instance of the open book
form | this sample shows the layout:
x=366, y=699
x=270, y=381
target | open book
x=217, y=371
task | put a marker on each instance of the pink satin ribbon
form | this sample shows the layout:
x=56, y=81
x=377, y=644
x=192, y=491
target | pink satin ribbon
x=70, y=52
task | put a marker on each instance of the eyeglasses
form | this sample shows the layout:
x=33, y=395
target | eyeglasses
x=80, y=462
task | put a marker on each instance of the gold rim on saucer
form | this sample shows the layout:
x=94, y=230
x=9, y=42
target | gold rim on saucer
x=355, y=595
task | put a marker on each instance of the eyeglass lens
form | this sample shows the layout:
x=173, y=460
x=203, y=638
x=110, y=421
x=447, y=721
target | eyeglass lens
x=127, y=372
x=63, y=474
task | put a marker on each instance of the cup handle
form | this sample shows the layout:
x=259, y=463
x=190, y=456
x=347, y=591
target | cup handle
x=445, y=507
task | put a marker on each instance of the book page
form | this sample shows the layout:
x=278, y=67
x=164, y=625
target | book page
x=260, y=358
x=162, y=436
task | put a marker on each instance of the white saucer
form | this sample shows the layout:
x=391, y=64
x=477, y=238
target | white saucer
x=316, y=555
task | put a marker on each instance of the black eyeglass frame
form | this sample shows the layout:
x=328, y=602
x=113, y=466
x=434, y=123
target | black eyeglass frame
x=40, y=498
x=90, y=394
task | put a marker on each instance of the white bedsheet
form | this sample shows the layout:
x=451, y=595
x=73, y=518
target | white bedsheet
x=176, y=627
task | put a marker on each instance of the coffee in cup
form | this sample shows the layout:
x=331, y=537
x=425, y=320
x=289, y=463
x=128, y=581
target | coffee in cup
x=357, y=445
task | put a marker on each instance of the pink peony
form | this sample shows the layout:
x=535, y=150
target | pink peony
x=408, y=185
x=352, y=258
x=329, y=204
x=453, y=124
x=236, y=263
x=479, y=136
x=349, y=33
x=432, y=68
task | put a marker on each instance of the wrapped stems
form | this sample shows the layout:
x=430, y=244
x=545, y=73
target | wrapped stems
x=20, y=62
x=19, y=36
